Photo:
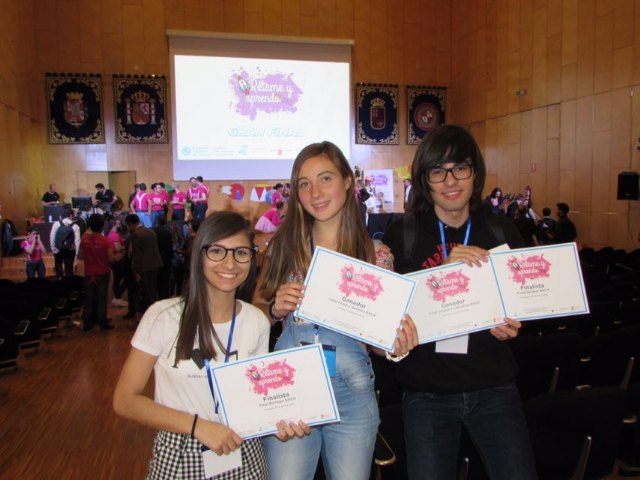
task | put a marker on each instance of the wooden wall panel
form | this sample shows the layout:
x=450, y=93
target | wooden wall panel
x=584, y=57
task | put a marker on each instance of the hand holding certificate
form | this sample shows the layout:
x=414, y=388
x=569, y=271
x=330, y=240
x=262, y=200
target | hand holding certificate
x=355, y=298
x=540, y=282
x=523, y=284
x=255, y=394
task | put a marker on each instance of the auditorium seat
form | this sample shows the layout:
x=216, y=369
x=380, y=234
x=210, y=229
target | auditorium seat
x=561, y=424
x=609, y=358
x=24, y=318
x=9, y=348
x=546, y=362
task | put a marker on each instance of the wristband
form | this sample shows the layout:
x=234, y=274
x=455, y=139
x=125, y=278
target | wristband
x=273, y=315
x=395, y=358
x=193, y=425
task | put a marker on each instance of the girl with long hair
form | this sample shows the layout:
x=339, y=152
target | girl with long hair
x=323, y=212
x=212, y=320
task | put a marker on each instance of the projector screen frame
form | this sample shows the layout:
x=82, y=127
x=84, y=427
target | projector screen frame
x=267, y=47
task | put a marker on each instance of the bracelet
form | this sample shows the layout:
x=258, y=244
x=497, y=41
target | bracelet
x=395, y=358
x=273, y=315
x=193, y=425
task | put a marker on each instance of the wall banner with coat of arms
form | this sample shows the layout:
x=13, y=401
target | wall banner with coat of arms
x=377, y=114
x=140, y=108
x=426, y=107
x=74, y=108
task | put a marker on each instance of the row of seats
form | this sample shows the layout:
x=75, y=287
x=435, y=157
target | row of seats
x=578, y=380
x=32, y=308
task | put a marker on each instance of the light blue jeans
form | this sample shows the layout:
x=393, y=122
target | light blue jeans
x=145, y=219
x=347, y=446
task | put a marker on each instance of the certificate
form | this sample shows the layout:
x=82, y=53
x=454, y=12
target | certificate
x=255, y=394
x=355, y=298
x=540, y=282
x=455, y=299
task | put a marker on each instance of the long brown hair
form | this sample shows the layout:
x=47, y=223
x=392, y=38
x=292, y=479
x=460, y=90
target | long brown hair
x=290, y=248
x=196, y=316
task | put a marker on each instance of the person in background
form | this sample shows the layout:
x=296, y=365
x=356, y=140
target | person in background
x=545, y=227
x=177, y=261
x=286, y=192
x=51, y=197
x=134, y=191
x=33, y=249
x=513, y=206
x=178, y=203
x=157, y=200
x=174, y=338
x=165, y=247
x=105, y=198
x=278, y=188
x=272, y=218
x=408, y=196
x=467, y=382
x=96, y=251
x=119, y=266
x=145, y=260
x=198, y=194
x=526, y=226
x=322, y=212
x=65, y=251
x=564, y=231
x=141, y=205
x=493, y=203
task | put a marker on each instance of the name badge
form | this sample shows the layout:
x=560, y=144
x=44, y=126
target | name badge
x=329, y=356
x=215, y=464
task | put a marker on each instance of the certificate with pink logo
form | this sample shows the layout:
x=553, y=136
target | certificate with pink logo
x=355, y=298
x=540, y=282
x=253, y=395
x=455, y=299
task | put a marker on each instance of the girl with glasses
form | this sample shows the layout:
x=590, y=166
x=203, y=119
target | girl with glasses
x=211, y=321
x=323, y=212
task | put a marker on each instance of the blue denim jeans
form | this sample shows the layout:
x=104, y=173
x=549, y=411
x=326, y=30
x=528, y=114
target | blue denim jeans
x=145, y=219
x=347, y=446
x=94, y=307
x=200, y=211
x=36, y=268
x=155, y=215
x=495, y=422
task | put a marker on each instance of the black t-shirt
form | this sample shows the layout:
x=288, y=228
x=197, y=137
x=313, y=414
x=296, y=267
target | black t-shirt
x=488, y=362
x=51, y=197
x=527, y=228
x=106, y=197
x=564, y=231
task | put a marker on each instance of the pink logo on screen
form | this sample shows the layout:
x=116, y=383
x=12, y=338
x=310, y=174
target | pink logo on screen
x=270, y=377
x=365, y=285
x=269, y=93
x=528, y=268
x=449, y=285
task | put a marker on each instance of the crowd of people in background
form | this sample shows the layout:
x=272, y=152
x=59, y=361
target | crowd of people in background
x=535, y=229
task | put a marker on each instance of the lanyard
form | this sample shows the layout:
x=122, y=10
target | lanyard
x=444, y=242
x=226, y=356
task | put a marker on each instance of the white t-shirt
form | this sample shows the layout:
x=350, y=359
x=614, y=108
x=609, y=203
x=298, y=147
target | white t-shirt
x=185, y=387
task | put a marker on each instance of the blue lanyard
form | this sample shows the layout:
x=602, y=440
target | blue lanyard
x=226, y=357
x=443, y=241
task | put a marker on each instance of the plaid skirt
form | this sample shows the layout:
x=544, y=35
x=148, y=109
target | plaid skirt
x=177, y=456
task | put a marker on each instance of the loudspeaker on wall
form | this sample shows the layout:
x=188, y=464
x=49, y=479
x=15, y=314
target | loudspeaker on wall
x=628, y=186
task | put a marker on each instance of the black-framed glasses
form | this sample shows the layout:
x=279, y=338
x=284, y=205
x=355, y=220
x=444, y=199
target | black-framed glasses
x=461, y=171
x=217, y=253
